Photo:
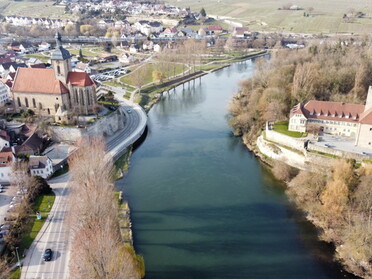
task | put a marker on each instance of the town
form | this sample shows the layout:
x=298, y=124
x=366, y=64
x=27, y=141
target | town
x=77, y=90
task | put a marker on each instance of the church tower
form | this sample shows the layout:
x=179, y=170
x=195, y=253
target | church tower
x=61, y=60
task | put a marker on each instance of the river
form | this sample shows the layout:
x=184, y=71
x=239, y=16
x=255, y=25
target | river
x=203, y=206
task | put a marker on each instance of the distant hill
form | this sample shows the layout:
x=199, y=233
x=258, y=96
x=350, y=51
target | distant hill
x=328, y=16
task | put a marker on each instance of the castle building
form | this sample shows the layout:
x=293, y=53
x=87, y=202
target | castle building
x=57, y=92
x=350, y=120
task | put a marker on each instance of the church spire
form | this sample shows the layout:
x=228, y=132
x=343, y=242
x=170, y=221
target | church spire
x=58, y=40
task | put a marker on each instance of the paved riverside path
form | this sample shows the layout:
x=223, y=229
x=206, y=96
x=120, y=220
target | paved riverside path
x=54, y=233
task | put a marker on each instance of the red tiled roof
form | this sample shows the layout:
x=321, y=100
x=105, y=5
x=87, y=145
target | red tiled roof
x=4, y=135
x=333, y=111
x=32, y=80
x=79, y=79
x=214, y=28
x=6, y=159
x=366, y=117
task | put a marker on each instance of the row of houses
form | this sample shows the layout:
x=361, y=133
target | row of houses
x=17, y=142
x=45, y=22
x=127, y=8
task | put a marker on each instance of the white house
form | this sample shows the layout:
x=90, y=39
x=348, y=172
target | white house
x=4, y=93
x=4, y=139
x=157, y=48
x=40, y=166
x=6, y=164
x=44, y=46
x=127, y=58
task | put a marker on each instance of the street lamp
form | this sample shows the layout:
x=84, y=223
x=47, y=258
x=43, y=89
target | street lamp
x=19, y=262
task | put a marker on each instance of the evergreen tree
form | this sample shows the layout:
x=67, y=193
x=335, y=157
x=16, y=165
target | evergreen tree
x=203, y=13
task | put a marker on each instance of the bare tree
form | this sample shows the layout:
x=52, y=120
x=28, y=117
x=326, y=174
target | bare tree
x=138, y=76
x=94, y=220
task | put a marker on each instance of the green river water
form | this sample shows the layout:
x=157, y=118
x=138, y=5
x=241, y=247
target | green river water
x=202, y=206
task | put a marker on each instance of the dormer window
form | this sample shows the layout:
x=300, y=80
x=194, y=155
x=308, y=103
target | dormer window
x=340, y=116
x=318, y=114
x=326, y=114
x=347, y=116
x=311, y=113
x=333, y=115
x=354, y=117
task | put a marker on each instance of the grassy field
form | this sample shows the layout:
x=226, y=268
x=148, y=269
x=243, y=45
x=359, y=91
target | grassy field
x=282, y=127
x=127, y=79
x=44, y=205
x=41, y=57
x=33, y=9
x=264, y=15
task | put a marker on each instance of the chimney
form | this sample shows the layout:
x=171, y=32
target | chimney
x=369, y=99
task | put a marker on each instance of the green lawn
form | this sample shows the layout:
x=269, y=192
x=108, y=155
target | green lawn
x=43, y=58
x=44, y=205
x=282, y=127
x=177, y=69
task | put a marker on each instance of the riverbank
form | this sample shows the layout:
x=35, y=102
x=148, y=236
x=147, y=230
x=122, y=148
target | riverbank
x=151, y=95
x=331, y=232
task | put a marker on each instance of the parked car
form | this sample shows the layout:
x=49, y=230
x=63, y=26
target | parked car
x=129, y=111
x=4, y=226
x=48, y=255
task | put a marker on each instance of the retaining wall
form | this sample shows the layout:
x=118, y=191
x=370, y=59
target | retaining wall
x=106, y=126
x=338, y=153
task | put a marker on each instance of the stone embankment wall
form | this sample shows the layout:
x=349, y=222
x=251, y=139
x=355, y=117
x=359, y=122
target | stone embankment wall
x=338, y=153
x=285, y=140
x=106, y=126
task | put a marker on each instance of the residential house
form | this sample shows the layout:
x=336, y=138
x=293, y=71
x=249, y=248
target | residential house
x=6, y=163
x=169, y=33
x=157, y=48
x=26, y=47
x=147, y=45
x=240, y=32
x=213, y=30
x=337, y=118
x=85, y=67
x=127, y=58
x=134, y=48
x=44, y=46
x=4, y=93
x=4, y=139
x=40, y=166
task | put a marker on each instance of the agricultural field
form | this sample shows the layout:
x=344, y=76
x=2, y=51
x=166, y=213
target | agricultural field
x=266, y=15
x=33, y=9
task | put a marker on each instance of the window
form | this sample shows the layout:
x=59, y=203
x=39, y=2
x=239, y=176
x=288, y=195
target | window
x=58, y=70
x=48, y=111
x=26, y=102
x=19, y=101
x=33, y=102
x=370, y=129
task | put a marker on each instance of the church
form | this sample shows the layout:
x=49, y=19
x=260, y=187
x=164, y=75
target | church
x=57, y=92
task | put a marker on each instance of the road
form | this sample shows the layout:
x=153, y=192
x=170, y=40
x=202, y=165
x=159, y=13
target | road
x=55, y=234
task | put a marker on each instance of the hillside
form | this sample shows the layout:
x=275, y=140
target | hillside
x=264, y=15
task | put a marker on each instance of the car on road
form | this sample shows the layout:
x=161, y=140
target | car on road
x=48, y=255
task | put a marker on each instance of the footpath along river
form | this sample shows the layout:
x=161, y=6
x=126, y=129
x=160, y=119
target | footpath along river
x=202, y=206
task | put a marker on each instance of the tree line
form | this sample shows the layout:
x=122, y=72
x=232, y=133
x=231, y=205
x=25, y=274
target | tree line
x=97, y=249
x=339, y=203
x=328, y=72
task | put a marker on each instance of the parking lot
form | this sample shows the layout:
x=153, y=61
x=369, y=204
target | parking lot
x=109, y=74
x=342, y=143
